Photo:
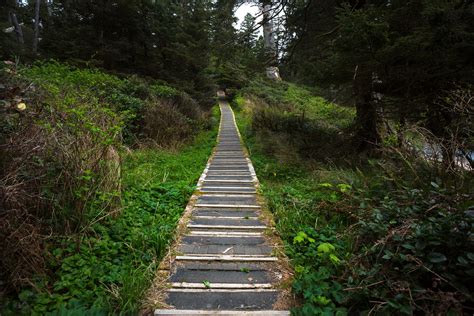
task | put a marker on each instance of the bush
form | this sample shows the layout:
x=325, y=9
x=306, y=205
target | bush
x=292, y=123
x=60, y=166
x=164, y=125
x=399, y=247
x=130, y=97
x=315, y=256
x=416, y=245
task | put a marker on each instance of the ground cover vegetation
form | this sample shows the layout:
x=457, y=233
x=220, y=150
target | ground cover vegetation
x=95, y=176
x=364, y=151
x=391, y=234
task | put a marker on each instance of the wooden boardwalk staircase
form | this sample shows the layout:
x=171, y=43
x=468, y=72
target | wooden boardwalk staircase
x=225, y=263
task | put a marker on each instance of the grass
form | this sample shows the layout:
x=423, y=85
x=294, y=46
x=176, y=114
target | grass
x=108, y=270
x=362, y=237
x=300, y=101
x=297, y=196
x=293, y=123
x=100, y=215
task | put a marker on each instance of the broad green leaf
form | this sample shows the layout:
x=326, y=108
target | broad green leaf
x=334, y=259
x=326, y=247
x=300, y=237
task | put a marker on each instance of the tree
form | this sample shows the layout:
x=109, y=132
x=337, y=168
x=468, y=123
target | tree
x=391, y=48
x=248, y=31
x=223, y=34
x=37, y=23
x=268, y=12
x=17, y=26
x=166, y=39
x=12, y=39
x=251, y=49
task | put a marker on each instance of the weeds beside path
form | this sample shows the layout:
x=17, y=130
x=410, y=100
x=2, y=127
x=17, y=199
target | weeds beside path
x=110, y=269
x=362, y=238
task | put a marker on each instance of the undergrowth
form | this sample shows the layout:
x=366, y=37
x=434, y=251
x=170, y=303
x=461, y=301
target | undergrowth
x=363, y=237
x=109, y=269
x=293, y=117
x=90, y=190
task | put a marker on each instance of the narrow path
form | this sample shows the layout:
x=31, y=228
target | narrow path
x=225, y=263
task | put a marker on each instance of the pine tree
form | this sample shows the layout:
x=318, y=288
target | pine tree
x=223, y=32
x=248, y=32
x=251, y=49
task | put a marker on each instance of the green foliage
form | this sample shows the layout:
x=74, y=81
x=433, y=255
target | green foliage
x=306, y=214
x=131, y=97
x=162, y=39
x=110, y=268
x=163, y=91
x=237, y=55
x=389, y=52
x=77, y=134
x=294, y=100
x=315, y=258
x=307, y=218
x=97, y=218
x=120, y=95
x=238, y=102
x=411, y=238
x=292, y=121
x=369, y=237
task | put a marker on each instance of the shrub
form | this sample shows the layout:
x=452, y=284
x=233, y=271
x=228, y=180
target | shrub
x=416, y=245
x=316, y=257
x=60, y=166
x=163, y=91
x=291, y=121
x=72, y=239
x=164, y=125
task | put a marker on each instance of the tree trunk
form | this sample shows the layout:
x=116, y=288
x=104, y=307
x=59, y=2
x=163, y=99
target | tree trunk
x=268, y=35
x=37, y=17
x=269, y=41
x=18, y=31
x=49, y=6
x=367, y=134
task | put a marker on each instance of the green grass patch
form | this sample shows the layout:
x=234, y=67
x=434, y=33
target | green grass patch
x=297, y=198
x=293, y=122
x=300, y=101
